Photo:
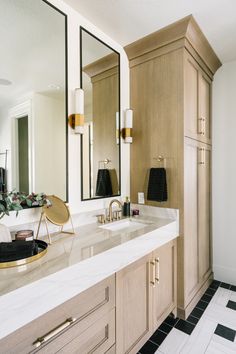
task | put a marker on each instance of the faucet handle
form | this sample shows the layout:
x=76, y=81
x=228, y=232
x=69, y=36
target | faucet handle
x=117, y=214
x=101, y=218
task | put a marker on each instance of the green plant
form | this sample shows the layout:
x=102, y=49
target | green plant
x=16, y=201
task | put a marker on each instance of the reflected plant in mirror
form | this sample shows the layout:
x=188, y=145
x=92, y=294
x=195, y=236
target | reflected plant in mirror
x=33, y=98
x=100, y=143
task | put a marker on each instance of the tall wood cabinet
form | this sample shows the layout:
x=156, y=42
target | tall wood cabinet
x=171, y=73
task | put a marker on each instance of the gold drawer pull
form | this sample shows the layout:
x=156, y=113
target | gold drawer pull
x=152, y=263
x=157, y=277
x=53, y=332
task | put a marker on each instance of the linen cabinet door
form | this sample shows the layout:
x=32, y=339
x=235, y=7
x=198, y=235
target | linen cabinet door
x=191, y=122
x=133, y=306
x=204, y=107
x=190, y=277
x=164, y=298
x=204, y=210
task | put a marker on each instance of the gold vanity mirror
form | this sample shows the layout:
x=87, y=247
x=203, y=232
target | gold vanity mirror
x=33, y=98
x=56, y=213
x=100, y=143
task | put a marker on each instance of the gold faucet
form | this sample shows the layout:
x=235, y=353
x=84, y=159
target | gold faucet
x=110, y=215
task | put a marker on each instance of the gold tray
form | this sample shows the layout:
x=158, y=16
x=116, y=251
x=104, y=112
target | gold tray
x=42, y=251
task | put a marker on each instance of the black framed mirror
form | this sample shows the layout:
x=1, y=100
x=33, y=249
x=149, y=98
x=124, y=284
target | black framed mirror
x=33, y=98
x=100, y=143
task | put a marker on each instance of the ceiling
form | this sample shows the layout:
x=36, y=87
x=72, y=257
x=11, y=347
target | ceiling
x=128, y=20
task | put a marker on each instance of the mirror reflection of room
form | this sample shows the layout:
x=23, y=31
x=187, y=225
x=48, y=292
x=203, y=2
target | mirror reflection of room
x=32, y=98
x=101, y=141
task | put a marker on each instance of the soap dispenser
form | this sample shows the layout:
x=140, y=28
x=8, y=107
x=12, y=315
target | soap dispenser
x=126, y=207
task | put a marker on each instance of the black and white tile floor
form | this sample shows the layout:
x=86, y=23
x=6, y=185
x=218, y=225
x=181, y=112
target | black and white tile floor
x=210, y=328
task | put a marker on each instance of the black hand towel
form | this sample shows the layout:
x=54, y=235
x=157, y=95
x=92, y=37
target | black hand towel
x=12, y=251
x=2, y=180
x=157, y=186
x=104, y=187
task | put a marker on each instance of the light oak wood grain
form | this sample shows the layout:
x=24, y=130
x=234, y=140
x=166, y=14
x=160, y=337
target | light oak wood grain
x=87, y=308
x=133, y=306
x=171, y=72
x=165, y=292
x=197, y=215
x=141, y=302
x=156, y=90
x=186, y=28
x=96, y=339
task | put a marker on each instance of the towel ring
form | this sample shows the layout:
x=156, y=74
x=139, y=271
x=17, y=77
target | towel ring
x=159, y=159
x=104, y=162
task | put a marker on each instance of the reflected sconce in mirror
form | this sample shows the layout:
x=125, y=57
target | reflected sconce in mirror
x=128, y=126
x=76, y=120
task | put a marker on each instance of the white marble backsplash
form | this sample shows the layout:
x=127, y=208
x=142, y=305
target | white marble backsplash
x=163, y=213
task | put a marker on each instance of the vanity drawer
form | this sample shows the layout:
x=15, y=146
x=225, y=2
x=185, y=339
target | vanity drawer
x=97, y=339
x=86, y=308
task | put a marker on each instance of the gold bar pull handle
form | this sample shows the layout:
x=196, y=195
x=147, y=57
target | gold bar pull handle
x=202, y=156
x=153, y=273
x=157, y=264
x=201, y=126
x=53, y=332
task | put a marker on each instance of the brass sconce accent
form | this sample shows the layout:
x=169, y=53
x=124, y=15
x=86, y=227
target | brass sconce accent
x=76, y=120
x=127, y=131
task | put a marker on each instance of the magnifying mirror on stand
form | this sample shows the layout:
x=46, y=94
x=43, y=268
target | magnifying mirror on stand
x=58, y=214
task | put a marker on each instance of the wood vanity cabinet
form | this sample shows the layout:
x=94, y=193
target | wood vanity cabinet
x=145, y=295
x=165, y=290
x=93, y=329
x=171, y=74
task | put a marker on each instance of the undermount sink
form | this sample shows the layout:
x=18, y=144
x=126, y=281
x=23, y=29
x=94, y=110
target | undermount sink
x=127, y=225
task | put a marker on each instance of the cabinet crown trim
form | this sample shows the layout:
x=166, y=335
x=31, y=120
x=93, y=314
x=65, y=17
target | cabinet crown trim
x=186, y=28
x=104, y=64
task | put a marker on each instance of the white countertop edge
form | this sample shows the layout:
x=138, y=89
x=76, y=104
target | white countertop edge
x=27, y=303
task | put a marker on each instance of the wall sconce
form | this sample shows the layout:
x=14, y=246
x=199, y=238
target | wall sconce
x=76, y=120
x=127, y=130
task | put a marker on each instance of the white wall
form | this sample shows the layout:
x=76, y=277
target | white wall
x=5, y=142
x=224, y=173
x=49, y=145
x=75, y=20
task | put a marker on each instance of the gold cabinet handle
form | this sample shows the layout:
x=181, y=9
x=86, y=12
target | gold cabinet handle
x=153, y=273
x=202, y=156
x=53, y=332
x=157, y=266
x=201, y=126
x=204, y=126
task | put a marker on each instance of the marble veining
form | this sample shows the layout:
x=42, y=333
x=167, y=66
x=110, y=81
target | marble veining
x=72, y=265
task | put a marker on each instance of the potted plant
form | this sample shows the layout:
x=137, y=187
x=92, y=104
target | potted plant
x=16, y=201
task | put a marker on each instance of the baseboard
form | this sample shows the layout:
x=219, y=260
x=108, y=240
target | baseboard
x=225, y=274
x=184, y=313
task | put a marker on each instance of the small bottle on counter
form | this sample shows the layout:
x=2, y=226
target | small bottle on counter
x=126, y=207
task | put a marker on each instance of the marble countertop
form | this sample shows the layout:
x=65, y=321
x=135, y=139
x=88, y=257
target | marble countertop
x=73, y=264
